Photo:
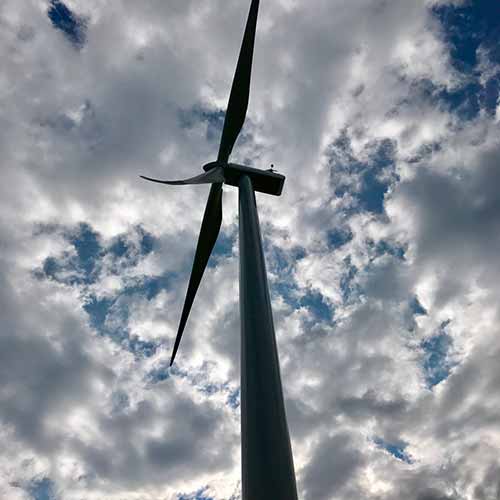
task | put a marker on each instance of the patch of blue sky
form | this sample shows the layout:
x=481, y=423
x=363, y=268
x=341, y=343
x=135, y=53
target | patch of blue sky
x=42, y=489
x=386, y=247
x=147, y=241
x=109, y=317
x=348, y=286
x=201, y=494
x=436, y=362
x=159, y=374
x=73, y=26
x=50, y=268
x=464, y=101
x=119, y=247
x=199, y=380
x=376, y=183
x=148, y=286
x=97, y=310
x=468, y=26
x=212, y=118
x=83, y=267
x=128, y=250
x=417, y=308
x=164, y=371
x=490, y=95
x=223, y=247
x=142, y=348
x=468, y=29
x=298, y=253
x=123, y=246
x=281, y=262
x=372, y=194
x=313, y=301
x=210, y=389
x=338, y=237
x=233, y=399
x=424, y=152
x=87, y=245
x=73, y=268
x=63, y=269
x=287, y=290
x=366, y=181
x=317, y=306
x=283, y=265
x=397, y=450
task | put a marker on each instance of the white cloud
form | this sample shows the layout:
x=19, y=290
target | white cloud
x=332, y=81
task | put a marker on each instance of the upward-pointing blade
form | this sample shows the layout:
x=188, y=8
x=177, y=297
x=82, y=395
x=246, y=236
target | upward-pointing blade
x=238, y=99
x=210, y=227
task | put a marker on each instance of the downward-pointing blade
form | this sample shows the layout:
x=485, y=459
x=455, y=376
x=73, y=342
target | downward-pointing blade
x=240, y=90
x=210, y=227
x=216, y=175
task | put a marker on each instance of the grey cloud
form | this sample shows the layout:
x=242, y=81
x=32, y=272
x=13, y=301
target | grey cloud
x=192, y=441
x=45, y=369
x=490, y=485
x=334, y=465
x=77, y=129
x=369, y=406
x=434, y=495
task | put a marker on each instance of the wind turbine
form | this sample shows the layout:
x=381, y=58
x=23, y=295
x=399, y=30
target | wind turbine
x=267, y=462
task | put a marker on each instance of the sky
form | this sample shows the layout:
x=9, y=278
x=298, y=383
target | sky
x=382, y=252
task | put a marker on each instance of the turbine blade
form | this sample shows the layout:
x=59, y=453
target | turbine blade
x=210, y=227
x=216, y=175
x=240, y=90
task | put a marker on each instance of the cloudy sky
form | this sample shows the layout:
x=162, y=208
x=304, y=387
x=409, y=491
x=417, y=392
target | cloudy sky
x=382, y=252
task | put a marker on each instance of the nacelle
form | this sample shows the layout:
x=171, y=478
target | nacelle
x=263, y=181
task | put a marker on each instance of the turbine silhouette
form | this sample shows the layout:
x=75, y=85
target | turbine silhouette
x=233, y=122
x=267, y=462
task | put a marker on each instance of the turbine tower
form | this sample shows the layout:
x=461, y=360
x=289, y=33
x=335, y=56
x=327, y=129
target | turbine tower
x=267, y=462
